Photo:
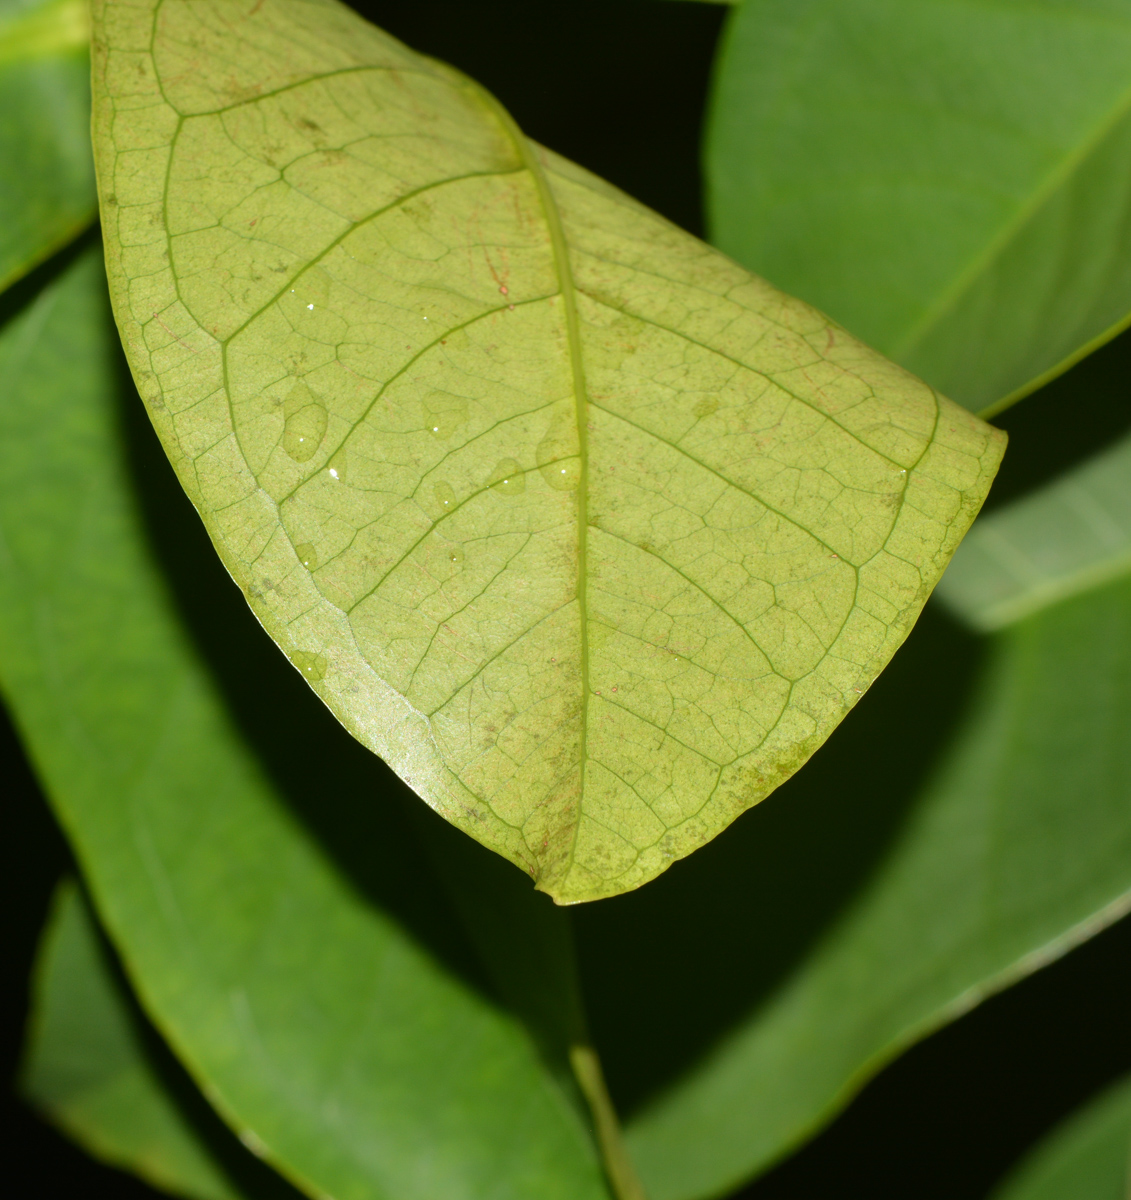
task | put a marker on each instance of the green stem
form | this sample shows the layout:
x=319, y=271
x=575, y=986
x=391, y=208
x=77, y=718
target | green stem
x=614, y=1154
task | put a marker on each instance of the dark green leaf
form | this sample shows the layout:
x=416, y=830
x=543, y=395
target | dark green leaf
x=1085, y=1158
x=86, y=1066
x=948, y=178
x=307, y=985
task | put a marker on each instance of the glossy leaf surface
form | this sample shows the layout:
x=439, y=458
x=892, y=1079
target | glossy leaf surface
x=591, y=535
x=1070, y=536
x=47, y=191
x=948, y=179
x=1085, y=1158
x=865, y=906
x=317, y=994
x=86, y=1068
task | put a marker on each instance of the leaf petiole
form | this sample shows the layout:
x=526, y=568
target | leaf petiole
x=614, y=1154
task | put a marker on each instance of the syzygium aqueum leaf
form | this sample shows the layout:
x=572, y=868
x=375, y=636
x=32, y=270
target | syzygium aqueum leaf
x=47, y=185
x=1084, y=1157
x=589, y=533
x=89, y=1069
x=1065, y=538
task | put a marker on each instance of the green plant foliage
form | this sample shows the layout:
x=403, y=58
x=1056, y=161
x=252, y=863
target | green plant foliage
x=47, y=195
x=592, y=536
x=1070, y=536
x=1085, y=1158
x=86, y=1067
x=318, y=993
x=948, y=178
x=1016, y=848
x=545, y=499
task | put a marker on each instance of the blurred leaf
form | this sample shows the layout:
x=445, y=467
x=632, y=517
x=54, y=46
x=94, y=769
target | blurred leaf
x=947, y=178
x=314, y=989
x=1084, y=1158
x=1066, y=538
x=47, y=188
x=590, y=535
x=499, y=912
x=866, y=905
x=86, y=1068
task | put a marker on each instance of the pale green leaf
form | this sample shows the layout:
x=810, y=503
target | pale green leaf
x=1071, y=535
x=863, y=908
x=47, y=187
x=948, y=178
x=314, y=990
x=591, y=535
x=1085, y=1158
x=86, y=1067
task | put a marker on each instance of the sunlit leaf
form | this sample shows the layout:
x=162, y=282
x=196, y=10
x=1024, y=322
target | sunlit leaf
x=1068, y=537
x=1085, y=1158
x=87, y=1070
x=315, y=990
x=948, y=178
x=47, y=188
x=591, y=535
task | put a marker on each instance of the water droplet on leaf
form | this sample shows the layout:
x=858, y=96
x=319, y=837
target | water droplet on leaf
x=508, y=477
x=562, y=474
x=306, y=300
x=443, y=498
x=558, y=458
x=311, y=664
x=304, y=431
x=445, y=557
x=307, y=555
x=444, y=414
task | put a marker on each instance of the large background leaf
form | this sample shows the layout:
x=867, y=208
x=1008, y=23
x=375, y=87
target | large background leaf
x=317, y=991
x=1065, y=539
x=47, y=189
x=947, y=178
x=1088, y=1157
x=824, y=935
x=87, y=1069
x=591, y=535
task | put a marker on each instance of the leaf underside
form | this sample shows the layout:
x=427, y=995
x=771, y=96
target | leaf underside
x=590, y=534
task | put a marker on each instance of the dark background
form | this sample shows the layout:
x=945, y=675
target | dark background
x=620, y=85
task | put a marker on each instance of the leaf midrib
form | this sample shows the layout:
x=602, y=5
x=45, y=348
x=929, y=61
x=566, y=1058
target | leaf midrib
x=560, y=250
